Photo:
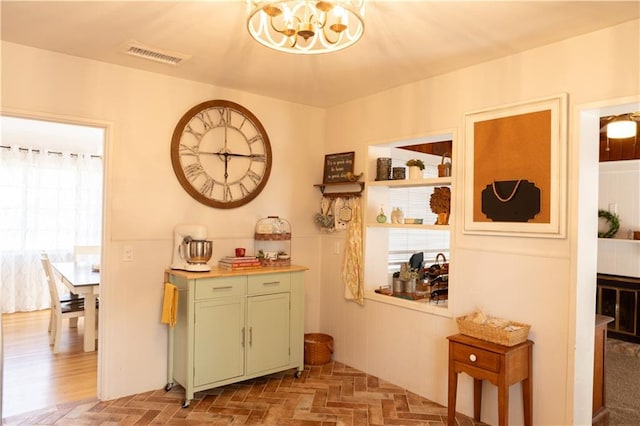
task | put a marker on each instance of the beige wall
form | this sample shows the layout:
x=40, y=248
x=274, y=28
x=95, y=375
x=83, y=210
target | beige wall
x=536, y=282
x=145, y=200
x=532, y=280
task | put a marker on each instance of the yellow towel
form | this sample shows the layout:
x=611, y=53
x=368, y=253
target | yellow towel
x=170, y=305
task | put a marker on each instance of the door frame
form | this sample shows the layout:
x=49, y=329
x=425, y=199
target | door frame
x=584, y=250
x=105, y=260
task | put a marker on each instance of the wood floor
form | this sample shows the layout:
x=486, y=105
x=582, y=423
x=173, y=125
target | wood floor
x=43, y=389
x=34, y=377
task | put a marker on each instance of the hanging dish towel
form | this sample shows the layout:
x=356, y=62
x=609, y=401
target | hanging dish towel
x=170, y=305
x=352, y=269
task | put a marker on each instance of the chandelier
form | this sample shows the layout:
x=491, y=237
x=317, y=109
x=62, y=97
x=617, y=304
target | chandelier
x=306, y=27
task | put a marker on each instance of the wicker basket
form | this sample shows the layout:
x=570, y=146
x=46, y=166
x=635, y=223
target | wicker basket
x=494, y=334
x=318, y=348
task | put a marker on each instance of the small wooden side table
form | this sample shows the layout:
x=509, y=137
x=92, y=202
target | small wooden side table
x=500, y=365
x=599, y=407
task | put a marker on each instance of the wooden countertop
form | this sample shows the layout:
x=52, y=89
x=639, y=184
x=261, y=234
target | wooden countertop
x=219, y=272
x=602, y=319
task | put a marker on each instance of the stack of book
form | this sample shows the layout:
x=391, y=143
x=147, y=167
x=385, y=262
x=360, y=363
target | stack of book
x=231, y=263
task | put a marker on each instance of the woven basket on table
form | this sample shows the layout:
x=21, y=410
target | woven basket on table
x=318, y=348
x=494, y=334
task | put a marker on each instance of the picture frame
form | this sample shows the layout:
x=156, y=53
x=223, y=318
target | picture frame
x=336, y=167
x=512, y=144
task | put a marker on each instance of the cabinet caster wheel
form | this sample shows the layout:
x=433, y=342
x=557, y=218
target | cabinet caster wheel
x=298, y=374
x=186, y=403
x=169, y=386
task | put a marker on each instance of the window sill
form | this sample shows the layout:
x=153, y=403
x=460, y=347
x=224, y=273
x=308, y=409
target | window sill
x=441, y=309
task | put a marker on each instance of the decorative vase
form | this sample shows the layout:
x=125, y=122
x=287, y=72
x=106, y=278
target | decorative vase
x=444, y=168
x=443, y=219
x=383, y=170
x=415, y=172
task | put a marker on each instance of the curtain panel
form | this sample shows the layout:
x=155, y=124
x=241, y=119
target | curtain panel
x=48, y=202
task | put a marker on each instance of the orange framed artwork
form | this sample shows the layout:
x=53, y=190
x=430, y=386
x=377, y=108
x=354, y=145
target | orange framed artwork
x=515, y=169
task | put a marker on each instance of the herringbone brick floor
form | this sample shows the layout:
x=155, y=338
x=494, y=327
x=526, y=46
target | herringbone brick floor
x=330, y=394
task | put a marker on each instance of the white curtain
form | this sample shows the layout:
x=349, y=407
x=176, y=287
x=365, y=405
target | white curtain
x=48, y=202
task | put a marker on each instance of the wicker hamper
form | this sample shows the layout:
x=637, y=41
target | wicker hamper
x=318, y=348
x=494, y=334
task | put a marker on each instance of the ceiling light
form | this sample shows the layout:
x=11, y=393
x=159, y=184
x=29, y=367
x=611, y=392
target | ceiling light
x=621, y=127
x=304, y=26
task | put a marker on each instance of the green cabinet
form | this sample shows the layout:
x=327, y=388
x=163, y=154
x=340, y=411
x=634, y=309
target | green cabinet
x=233, y=326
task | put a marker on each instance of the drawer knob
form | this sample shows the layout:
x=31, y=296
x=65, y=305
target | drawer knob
x=473, y=357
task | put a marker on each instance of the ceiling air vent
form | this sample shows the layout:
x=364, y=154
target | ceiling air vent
x=145, y=52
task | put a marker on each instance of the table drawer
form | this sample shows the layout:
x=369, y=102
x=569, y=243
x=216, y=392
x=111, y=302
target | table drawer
x=210, y=288
x=269, y=283
x=480, y=358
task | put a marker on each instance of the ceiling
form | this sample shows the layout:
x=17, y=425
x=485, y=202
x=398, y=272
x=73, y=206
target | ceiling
x=404, y=41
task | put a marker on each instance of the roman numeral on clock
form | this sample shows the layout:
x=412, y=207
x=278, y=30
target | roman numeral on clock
x=193, y=170
x=207, y=187
x=227, y=195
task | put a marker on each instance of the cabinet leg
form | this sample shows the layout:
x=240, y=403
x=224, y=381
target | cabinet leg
x=477, y=399
x=503, y=402
x=527, y=401
x=451, y=403
x=186, y=403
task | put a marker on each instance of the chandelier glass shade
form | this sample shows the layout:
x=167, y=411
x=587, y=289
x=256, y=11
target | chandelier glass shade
x=306, y=27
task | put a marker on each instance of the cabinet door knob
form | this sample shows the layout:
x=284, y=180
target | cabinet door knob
x=473, y=357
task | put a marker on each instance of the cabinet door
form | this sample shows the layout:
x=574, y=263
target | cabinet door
x=219, y=340
x=627, y=306
x=268, y=319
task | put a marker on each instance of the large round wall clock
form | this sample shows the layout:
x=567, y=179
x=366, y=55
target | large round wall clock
x=221, y=154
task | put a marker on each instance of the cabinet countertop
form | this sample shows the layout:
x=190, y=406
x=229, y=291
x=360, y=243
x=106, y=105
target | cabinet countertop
x=219, y=272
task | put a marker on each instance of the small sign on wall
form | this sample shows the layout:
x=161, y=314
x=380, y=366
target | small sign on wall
x=336, y=167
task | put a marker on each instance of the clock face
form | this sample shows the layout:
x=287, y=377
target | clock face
x=221, y=154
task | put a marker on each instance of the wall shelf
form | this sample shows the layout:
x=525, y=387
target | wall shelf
x=426, y=226
x=341, y=189
x=620, y=240
x=408, y=183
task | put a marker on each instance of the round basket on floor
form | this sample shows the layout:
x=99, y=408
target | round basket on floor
x=318, y=348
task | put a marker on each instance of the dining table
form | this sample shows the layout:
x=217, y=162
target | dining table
x=83, y=280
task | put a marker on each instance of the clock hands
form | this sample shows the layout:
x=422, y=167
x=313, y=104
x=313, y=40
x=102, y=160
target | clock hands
x=226, y=166
x=230, y=154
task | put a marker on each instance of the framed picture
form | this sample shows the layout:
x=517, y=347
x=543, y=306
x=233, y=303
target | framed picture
x=516, y=169
x=336, y=167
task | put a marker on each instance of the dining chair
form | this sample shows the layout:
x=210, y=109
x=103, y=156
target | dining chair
x=91, y=252
x=65, y=308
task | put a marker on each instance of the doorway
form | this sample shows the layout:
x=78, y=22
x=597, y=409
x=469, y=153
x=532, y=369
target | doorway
x=57, y=174
x=586, y=153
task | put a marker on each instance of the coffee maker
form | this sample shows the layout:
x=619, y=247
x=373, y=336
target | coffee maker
x=191, y=249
